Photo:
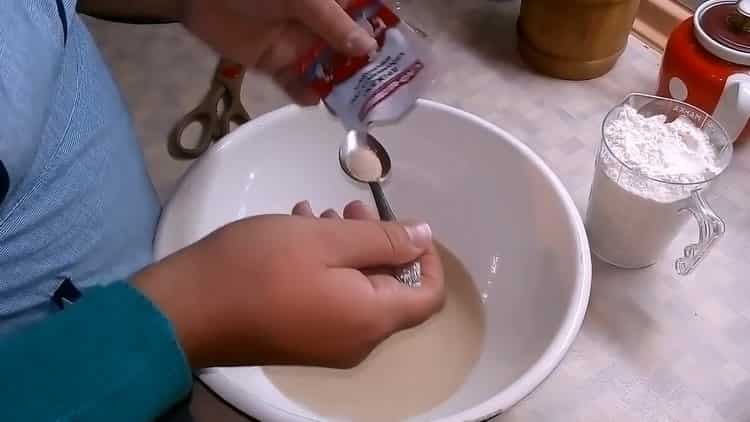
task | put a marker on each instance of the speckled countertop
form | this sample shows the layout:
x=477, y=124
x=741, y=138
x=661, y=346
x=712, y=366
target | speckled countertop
x=653, y=347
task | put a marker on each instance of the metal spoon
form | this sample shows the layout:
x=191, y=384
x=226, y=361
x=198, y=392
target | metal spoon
x=365, y=160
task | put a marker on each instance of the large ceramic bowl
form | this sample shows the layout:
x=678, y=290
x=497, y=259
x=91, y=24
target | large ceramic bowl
x=489, y=199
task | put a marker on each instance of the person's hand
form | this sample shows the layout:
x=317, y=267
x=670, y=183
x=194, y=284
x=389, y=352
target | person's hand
x=296, y=289
x=272, y=35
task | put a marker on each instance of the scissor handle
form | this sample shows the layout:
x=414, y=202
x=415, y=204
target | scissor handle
x=232, y=75
x=236, y=114
x=226, y=88
x=208, y=122
x=205, y=115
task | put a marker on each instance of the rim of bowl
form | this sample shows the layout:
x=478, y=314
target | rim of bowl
x=560, y=344
x=557, y=349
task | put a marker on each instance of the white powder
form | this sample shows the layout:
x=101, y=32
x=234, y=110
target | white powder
x=631, y=220
x=677, y=152
x=365, y=165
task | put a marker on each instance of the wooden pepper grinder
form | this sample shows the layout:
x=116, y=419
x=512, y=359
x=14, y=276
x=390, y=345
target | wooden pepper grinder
x=574, y=39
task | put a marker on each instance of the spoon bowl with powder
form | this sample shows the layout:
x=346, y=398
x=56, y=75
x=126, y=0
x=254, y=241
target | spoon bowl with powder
x=365, y=160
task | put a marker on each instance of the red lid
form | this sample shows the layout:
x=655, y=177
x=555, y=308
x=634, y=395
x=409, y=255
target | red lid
x=727, y=26
x=723, y=28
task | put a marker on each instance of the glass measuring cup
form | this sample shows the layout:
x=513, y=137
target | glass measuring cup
x=632, y=218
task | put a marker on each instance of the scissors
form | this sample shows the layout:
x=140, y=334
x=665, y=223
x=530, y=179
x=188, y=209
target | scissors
x=226, y=90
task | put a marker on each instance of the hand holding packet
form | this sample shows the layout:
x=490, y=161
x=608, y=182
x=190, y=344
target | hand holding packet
x=381, y=88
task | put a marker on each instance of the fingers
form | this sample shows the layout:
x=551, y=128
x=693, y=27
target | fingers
x=397, y=307
x=377, y=246
x=357, y=210
x=367, y=244
x=362, y=241
x=293, y=41
x=303, y=209
x=231, y=30
x=409, y=307
x=296, y=89
x=332, y=214
x=327, y=19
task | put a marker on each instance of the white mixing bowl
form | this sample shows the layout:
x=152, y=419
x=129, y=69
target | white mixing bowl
x=488, y=197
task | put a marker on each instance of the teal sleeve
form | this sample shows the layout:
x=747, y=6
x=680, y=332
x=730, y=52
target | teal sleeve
x=111, y=356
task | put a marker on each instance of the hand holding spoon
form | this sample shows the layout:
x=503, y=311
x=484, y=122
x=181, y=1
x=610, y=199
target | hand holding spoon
x=365, y=160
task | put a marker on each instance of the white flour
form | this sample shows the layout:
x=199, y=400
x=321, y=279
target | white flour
x=631, y=219
x=672, y=152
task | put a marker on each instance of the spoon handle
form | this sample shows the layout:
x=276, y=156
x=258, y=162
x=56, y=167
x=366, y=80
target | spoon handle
x=410, y=274
x=384, y=207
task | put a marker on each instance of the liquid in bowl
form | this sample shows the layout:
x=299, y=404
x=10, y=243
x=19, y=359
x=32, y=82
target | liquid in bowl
x=407, y=375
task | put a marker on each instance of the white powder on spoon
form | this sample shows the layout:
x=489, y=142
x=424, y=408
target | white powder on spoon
x=365, y=165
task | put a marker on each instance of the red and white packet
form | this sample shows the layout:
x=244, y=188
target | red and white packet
x=381, y=88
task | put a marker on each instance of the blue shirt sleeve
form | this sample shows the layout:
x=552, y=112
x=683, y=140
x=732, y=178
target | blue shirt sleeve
x=111, y=356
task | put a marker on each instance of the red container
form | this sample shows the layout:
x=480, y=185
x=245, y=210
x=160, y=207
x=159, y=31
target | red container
x=707, y=64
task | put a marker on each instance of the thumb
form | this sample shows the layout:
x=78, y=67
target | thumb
x=331, y=22
x=367, y=244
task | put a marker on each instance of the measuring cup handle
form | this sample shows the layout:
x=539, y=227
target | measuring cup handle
x=710, y=229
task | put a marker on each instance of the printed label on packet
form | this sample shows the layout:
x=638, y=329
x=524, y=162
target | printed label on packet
x=380, y=88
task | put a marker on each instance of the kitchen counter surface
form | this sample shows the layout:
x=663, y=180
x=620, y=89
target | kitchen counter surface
x=653, y=347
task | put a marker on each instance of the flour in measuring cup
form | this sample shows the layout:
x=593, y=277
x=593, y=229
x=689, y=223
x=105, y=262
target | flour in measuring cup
x=677, y=152
x=632, y=219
